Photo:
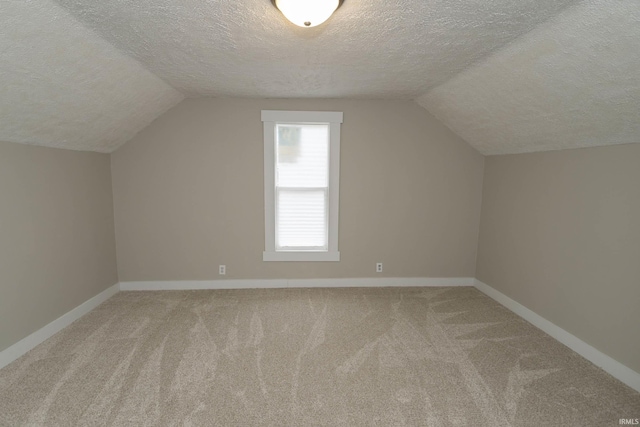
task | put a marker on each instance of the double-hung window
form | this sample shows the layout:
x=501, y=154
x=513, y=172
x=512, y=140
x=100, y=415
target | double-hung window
x=301, y=185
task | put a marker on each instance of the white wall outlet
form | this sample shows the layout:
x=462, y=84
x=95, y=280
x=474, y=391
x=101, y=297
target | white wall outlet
x=378, y=267
x=222, y=270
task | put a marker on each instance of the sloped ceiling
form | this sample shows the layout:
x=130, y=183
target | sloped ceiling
x=90, y=74
x=572, y=82
x=63, y=86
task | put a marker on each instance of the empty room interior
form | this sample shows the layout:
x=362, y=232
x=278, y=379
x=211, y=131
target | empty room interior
x=320, y=212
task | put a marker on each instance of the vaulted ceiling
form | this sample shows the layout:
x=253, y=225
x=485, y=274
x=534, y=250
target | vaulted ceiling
x=506, y=75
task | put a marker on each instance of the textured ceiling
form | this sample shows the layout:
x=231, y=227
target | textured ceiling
x=506, y=75
x=572, y=82
x=63, y=86
x=369, y=48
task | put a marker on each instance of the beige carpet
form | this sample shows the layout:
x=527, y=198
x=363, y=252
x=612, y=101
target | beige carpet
x=303, y=357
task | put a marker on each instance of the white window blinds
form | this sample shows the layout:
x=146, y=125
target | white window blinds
x=301, y=187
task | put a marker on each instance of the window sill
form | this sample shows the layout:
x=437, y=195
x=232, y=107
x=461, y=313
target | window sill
x=301, y=256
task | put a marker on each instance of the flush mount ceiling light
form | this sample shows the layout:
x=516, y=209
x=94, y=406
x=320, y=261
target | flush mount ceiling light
x=307, y=13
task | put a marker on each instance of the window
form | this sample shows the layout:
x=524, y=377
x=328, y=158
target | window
x=301, y=176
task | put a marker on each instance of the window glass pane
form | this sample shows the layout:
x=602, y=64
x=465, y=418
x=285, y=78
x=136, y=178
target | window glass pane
x=301, y=218
x=302, y=155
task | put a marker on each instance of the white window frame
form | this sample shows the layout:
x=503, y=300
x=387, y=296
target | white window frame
x=270, y=119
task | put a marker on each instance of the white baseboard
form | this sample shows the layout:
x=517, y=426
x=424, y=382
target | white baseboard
x=296, y=283
x=608, y=364
x=10, y=354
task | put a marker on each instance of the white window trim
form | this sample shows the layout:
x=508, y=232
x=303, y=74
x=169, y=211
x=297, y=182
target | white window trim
x=270, y=118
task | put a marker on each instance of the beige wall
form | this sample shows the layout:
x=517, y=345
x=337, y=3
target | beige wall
x=560, y=234
x=57, y=246
x=188, y=194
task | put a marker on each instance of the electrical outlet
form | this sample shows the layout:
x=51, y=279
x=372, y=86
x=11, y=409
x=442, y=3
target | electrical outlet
x=222, y=270
x=378, y=267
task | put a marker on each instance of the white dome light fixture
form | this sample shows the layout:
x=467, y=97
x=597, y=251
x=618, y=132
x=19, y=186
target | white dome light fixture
x=307, y=13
